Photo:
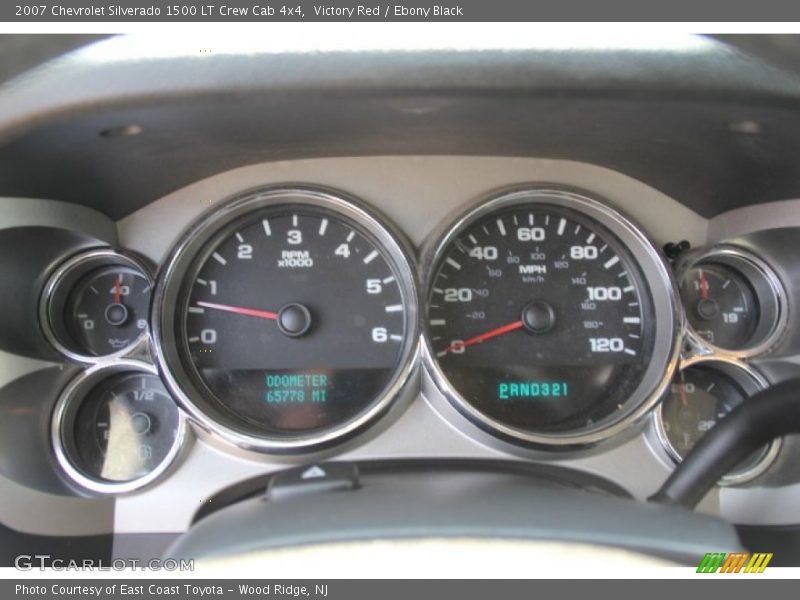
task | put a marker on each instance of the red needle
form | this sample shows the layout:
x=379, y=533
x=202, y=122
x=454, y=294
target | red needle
x=704, y=286
x=483, y=337
x=118, y=290
x=682, y=390
x=250, y=312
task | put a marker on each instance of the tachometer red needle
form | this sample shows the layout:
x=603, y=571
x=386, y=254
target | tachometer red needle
x=118, y=290
x=704, y=286
x=484, y=336
x=239, y=310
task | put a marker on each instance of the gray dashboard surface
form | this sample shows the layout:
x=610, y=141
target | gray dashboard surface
x=698, y=120
x=23, y=52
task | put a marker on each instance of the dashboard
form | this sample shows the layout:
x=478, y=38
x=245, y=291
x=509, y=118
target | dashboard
x=191, y=327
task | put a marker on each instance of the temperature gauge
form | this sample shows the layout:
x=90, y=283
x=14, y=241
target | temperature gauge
x=96, y=305
x=116, y=428
x=734, y=302
x=703, y=394
x=720, y=304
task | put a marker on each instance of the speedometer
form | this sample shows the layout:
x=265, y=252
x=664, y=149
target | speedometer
x=287, y=319
x=551, y=318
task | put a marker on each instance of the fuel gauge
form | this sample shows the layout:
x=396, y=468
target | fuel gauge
x=116, y=428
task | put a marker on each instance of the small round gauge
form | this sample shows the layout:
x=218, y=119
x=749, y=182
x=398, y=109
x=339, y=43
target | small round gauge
x=96, y=305
x=116, y=428
x=551, y=319
x=720, y=304
x=702, y=394
x=287, y=319
x=733, y=301
x=107, y=310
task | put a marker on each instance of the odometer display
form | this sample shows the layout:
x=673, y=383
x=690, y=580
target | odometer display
x=541, y=319
x=293, y=318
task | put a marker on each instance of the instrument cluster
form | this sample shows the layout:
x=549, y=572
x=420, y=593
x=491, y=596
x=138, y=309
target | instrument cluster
x=292, y=320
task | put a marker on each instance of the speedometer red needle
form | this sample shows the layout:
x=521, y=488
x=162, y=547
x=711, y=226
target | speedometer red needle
x=239, y=310
x=484, y=336
x=118, y=290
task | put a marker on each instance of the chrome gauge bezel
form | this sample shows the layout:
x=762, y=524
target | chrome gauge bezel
x=171, y=279
x=668, y=320
x=766, y=285
x=64, y=411
x=751, y=381
x=58, y=287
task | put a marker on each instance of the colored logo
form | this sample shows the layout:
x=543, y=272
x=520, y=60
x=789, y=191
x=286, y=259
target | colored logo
x=734, y=562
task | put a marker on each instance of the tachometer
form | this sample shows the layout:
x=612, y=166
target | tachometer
x=287, y=319
x=551, y=319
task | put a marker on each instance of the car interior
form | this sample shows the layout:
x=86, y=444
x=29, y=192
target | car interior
x=389, y=297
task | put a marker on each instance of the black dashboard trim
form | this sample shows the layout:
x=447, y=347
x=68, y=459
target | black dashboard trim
x=250, y=488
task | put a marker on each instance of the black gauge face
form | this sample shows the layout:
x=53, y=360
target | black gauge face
x=699, y=398
x=540, y=318
x=125, y=428
x=720, y=305
x=107, y=310
x=292, y=320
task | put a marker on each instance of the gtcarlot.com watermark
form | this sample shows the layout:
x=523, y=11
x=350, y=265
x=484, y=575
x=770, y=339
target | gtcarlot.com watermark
x=30, y=562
